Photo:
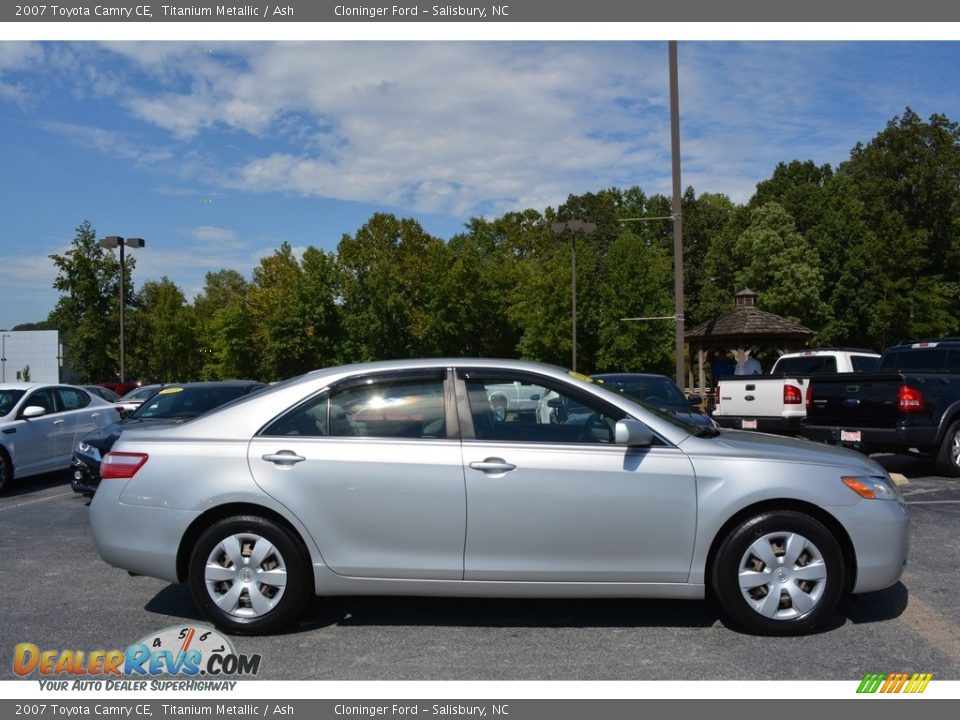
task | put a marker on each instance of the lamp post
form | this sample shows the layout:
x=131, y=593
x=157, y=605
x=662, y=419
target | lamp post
x=3, y=356
x=677, y=219
x=574, y=226
x=110, y=242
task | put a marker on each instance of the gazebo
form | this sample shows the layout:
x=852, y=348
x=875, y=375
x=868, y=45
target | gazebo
x=739, y=331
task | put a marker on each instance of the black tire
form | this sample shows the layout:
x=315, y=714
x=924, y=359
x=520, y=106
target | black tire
x=256, y=602
x=948, y=456
x=6, y=471
x=796, y=565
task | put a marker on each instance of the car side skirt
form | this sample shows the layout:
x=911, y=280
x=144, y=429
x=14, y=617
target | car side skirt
x=329, y=583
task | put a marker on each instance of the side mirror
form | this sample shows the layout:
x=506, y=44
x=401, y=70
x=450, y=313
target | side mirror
x=33, y=411
x=633, y=433
x=694, y=400
x=555, y=403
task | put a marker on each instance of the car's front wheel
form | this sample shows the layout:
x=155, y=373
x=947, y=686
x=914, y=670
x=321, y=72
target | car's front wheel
x=779, y=573
x=6, y=471
x=249, y=575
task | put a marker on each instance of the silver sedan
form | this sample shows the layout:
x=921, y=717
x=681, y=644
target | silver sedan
x=40, y=425
x=399, y=478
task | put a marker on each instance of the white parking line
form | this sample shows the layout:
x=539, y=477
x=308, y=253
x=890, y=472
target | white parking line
x=32, y=502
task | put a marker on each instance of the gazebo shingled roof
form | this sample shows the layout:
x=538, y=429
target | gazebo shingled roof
x=743, y=328
x=747, y=325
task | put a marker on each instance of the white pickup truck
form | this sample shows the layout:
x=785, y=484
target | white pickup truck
x=776, y=403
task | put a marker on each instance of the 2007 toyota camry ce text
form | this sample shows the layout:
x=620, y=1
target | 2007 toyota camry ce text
x=399, y=478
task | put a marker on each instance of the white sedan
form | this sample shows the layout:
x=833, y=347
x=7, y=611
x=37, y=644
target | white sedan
x=41, y=424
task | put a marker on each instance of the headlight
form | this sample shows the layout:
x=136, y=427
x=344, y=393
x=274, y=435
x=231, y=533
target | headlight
x=871, y=488
x=84, y=448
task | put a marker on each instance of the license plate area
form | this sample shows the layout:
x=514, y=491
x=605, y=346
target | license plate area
x=849, y=436
x=748, y=424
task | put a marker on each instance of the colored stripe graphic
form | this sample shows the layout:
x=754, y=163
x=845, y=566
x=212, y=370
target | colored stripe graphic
x=894, y=683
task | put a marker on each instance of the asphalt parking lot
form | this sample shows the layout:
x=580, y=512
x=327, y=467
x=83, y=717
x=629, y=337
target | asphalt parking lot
x=56, y=593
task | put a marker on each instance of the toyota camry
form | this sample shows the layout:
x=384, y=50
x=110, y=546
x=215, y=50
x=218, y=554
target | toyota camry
x=400, y=478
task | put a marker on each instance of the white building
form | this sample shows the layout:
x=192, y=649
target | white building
x=37, y=349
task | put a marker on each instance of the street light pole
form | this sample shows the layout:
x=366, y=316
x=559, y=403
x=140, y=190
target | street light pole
x=110, y=242
x=558, y=229
x=677, y=221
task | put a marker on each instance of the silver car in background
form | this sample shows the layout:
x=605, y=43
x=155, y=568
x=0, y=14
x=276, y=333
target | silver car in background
x=399, y=478
x=40, y=425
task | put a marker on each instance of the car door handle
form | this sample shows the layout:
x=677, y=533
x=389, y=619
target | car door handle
x=93, y=415
x=58, y=422
x=284, y=457
x=492, y=466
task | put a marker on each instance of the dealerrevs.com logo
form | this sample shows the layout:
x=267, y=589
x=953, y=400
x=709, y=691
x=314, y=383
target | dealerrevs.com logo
x=201, y=657
x=894, y=683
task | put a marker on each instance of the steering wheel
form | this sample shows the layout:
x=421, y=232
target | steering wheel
x=596, y=421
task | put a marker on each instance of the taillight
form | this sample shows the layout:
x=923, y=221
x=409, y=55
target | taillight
x=911, y=400
x=809, y=397
x=792, y=395
x=121, y=465
x=716, y=396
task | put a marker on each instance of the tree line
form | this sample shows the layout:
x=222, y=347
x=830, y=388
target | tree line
x=865, y=254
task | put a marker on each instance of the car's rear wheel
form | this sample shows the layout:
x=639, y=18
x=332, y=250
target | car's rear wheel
x=250, y=575
x=779, y=573
x=948, y=457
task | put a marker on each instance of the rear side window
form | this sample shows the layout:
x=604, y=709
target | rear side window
x=386, y=409
x=864, y=363
x=807, y=365
x=932, y=360
x=71, y=399
x=953, y=361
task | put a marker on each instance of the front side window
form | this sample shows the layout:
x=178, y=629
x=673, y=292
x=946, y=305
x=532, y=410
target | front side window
x=42, y=398
x=521, y=411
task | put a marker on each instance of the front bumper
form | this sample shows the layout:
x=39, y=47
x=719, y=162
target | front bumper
x=85, y=475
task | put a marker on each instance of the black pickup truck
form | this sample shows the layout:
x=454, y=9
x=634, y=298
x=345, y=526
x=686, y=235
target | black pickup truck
x=910, y=404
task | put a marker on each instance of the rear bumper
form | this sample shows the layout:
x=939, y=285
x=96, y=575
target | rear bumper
x=776, y=425
x=137, y=538
x=893, y=439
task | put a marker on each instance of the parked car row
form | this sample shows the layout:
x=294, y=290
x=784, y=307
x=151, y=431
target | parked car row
x=356, y=481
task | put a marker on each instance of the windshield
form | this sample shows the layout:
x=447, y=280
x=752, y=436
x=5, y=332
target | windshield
x=141, y=393
x=186, y=402
x=9, y=398
x=654, y=390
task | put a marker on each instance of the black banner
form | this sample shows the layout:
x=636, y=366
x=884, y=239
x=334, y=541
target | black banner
x=524, y=11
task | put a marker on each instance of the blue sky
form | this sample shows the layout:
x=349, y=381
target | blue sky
x=217, y=152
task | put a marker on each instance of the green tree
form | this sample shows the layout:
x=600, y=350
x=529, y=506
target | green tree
x=781, y=266
x=164, y=345
x=87, y=311
x=908, y=180
x=293, y=314
x=224, y=330
x=385, y=271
